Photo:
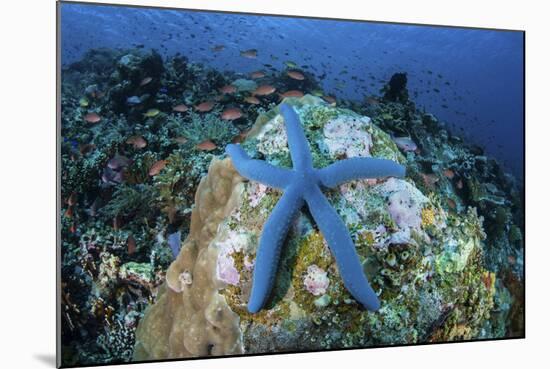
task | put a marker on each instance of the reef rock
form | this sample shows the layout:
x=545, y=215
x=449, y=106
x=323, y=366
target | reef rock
x=423, y=262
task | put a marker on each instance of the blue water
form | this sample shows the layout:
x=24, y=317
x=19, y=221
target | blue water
x=479, y=73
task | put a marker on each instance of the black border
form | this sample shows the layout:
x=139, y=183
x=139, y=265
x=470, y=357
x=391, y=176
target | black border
x=58, y=181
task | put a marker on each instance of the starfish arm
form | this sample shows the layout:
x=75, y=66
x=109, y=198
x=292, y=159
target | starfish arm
x=258, y=170
x=356, y=168
x=297, y=142
x=339, y=241
x=269, y=249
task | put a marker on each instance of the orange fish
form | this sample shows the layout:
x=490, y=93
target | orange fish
x=180, y=140
x=228, y=89
x=250, y=53
x=264, y=90
x=232, y=114
x=295, y=75
x=72, y=199
x=72, y=229
x=92, y=118
x=449, y=173
x=131, y=245
x=69, y=212
x=429, y=180
x=240, y=137
x=252, y=100
x=206, y=146
x=137, y=142
x=257, y=74
x=204, y=106
x=157, y=167
x=145, y=81
x=180, y=108
x=291, y=93
x=451, y=203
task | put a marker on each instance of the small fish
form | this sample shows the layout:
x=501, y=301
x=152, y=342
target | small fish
x=372, y=101
x=460, y=184
x=92, y=118
x=138, y=142
x=264, y=90
x=72, y=228
x=295, y=75
x=180, y=140
x=291, y=64
x=145, y=81
x=317, y=92
x=257, y=74
x=232, y=114
x=157, y=168
x=131, y=245
x=133, y=100
x=429, y=180
x=405, y=143
x=163, y=90
x=228, y=89
x=69, y=212
x=449, y=173
x=250, y=53
x=291, y=93
x=180, y=108
x=205, y=106
x=71, y=200
x=83, y=102
x=240, y=137
x=92, y=210
x=217, y=48
x=330, y=99
x=151, y=113
x=206, y=146
x=451, y=203
x=252, y=100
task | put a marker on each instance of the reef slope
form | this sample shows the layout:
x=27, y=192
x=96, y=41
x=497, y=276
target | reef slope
x=425, y=261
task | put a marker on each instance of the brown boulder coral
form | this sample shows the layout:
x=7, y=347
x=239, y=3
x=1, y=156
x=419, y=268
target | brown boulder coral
x=190, y=317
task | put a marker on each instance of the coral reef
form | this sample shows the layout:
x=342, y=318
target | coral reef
x=425, y=262
x=142, y=170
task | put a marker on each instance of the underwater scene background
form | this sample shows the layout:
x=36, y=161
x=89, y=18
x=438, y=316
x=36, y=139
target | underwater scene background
x=159, y=232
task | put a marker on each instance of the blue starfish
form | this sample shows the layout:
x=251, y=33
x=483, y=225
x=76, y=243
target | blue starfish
x=304, y=182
